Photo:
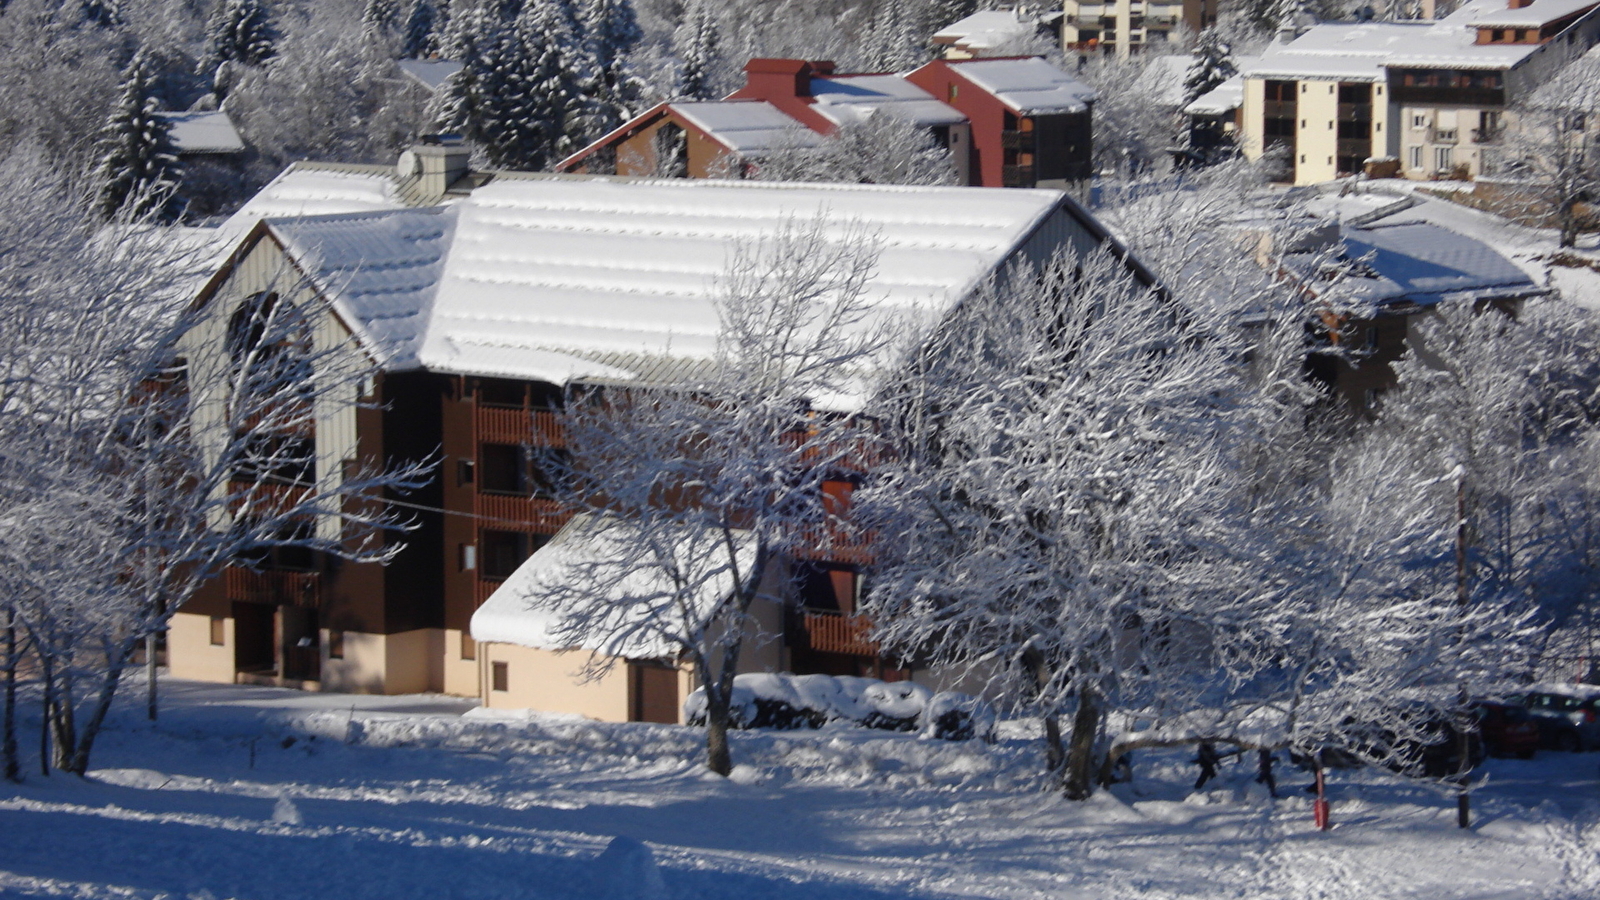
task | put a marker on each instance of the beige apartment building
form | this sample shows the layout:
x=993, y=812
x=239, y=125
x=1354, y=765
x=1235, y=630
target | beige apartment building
x=1428, y=95
x=1125, y=27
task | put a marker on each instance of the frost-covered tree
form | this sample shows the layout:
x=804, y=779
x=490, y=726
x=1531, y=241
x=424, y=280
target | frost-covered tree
x=240, y=31
x=698, y=42
x=1059, y=523
x=697, y=491
x=136, y=161
x=1553, y=151
x=1134, y=121
x=116, y=503
x=1213, y=64
x=880, y=149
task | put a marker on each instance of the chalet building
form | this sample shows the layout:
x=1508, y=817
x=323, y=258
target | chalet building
x=996, y=32
x=483, y=298
x=1431, y=95
x=1012, y=122
x=1125, y=27
x=1392, y=270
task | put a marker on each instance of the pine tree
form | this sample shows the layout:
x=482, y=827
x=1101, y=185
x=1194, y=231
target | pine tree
x=519, y=92
x=135, y=163
x=104, y=13
x=698, y=44
x=421, y=40
x=240, y=31
x=1213, y=64
x=611, y=31
x=380, y=18
x=894, y=41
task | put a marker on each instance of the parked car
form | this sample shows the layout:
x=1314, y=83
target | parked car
x=1433, y=750
x=1568, y=715
x=1507, y=729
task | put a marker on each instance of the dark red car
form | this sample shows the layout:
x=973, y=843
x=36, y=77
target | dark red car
x=1507, y=729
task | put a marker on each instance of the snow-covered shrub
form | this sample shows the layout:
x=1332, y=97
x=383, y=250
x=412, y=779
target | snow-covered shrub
x=950, y=716
x=785, y=702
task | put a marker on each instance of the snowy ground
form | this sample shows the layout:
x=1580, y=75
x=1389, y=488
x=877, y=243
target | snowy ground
x=405, y=797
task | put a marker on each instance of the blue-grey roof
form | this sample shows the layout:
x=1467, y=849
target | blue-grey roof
x=1422, y=263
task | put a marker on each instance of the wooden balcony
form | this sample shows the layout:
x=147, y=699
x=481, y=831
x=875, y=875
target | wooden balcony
x=825, y=631
x=520, y=513
x=1017, y=176
x=505, y=425
x=835, y=545
x=1016, y=140
x=1278, y=109
x=274, y=587
x=482, y=588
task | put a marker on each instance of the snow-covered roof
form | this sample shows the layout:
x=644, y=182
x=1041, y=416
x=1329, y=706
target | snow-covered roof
x=1424, y=264
x=1220, y=100
x=592, y=550
x=1029, y=86
x=851, y=98
x=430, y=73
x=984, y=30
x=315, y=189
x=381, y=270
x=209, y=131
x=565, y=278
x=1362, y=51
x=747, y=127
x=1491, y=14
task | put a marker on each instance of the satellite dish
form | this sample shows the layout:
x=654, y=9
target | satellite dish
x=409, y=165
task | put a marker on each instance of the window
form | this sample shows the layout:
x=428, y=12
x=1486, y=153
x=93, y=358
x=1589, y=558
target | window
x=335, y=644
x=502, y=469
x=1419, y=121
x=1446, y=136
x=504, y=551
x=545, y=467
x=1415, y=160
x=1443, y=157
x=498, y=392
x=464, y=472
x=467, y=557
x=500, y=677
x=219, y=631
x=469, y=647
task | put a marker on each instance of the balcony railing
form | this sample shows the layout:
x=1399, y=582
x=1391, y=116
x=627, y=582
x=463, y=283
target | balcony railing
x=274, y=587
x=1016, y=140
x=1017, y=176
x=833, y=632
x=1355, y=112
x=835, y=545
x=1355, y=147
x=501, y=425
x=1278, y=109
x=266, y=497
x=511, y=511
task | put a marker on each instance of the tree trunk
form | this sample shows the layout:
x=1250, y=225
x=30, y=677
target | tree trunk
x=150, y=675
x=46, y=701
x=718, y=757
x=8, y=730
x=1080, y=754
x=63, y=722
x=78, y=761
x=1055, y=752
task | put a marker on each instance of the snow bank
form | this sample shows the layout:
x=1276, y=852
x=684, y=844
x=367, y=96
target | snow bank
x=784, y=701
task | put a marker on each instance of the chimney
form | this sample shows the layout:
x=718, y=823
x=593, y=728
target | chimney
x=766, y=79
x=436, y=161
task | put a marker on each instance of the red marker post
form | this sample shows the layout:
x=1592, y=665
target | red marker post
x=1319, y=807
